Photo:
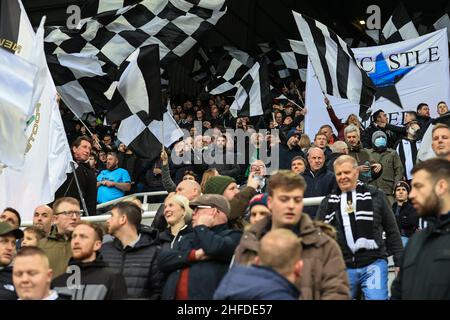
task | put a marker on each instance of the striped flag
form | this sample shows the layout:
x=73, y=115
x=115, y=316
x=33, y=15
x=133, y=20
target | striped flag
x=253, y=96
x=334, y=64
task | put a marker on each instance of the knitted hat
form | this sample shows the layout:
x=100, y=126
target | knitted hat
x=403, y=184
x=293, y=133
x=259, y=199
x=218, y=184
x=378, y=134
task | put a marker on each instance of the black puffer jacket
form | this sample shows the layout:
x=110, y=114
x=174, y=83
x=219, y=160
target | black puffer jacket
x=97, y=282
x=407, y=219
x=7, y=290
x=137, y=264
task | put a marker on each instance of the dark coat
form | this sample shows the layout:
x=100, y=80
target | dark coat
x=137, y=264
x=286, y=155
x=98, y=282
x=383, y=221
x=366, y=138
x=322, y=183
x=255, y=283
x=7, y=290
x=167, y=240
x=425, y=267
x=88, y=185
x=218, y=242
x=407, y=219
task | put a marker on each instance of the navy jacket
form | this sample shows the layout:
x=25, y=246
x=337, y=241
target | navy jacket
x=218, y=242
x=255, y=283
x=318, y=184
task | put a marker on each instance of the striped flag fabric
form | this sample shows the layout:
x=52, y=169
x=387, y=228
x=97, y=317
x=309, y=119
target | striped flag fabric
x=138, y=89
x=334, y=64
x=229, y=71
x=253, y=96
x=295, y=56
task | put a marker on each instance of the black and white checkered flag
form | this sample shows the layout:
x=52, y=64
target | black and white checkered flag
x=269, y=50
x=295, y=57
x=334, y=64
x=399, y=27
x=146, y=138
x=202, y=69
x=253, y=97
x=229, y=71
x=108, y=38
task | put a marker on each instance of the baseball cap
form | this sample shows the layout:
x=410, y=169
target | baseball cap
x=212, y=200
x=6, y=228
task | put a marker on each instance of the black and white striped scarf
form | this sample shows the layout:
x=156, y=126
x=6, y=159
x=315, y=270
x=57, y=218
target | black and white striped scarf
x=361, y=221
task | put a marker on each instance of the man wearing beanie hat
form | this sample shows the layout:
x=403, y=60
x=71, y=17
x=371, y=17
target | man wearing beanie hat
x=197, y=263
x=227, y=187
x=257, y=208
x=379, y=123
x=391, y=162
x=290, y=150
x=405, y=214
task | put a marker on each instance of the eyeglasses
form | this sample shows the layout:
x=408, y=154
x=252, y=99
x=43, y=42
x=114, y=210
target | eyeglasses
x=70, y=213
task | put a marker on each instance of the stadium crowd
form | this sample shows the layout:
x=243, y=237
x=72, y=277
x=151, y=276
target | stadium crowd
x=230, y=230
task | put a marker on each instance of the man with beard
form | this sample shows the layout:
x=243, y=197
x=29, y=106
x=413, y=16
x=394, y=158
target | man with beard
x=57, y=245
x=81, y=149
x=134, y=251
x=425, y=267
x=96, y=280
x=42, y=218
x=113, y=182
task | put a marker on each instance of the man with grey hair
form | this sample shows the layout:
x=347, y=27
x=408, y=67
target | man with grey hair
x=361, y=214
x=319, y=180
x=368, y=168
x=338, y=149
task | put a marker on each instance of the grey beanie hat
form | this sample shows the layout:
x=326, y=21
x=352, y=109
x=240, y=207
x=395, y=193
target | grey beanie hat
x=378, y=134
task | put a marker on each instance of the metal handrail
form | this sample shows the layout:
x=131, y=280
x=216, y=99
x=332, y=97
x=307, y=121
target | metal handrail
x=314, y=201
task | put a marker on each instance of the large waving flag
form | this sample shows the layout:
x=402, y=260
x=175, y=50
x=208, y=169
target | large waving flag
x=399, y=27
x=334, y=64
x=47, y=153
x=111, y=32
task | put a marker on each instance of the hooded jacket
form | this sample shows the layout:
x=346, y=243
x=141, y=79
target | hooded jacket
x=137, y=264
x=97, y=282
x=255, y=283
x=323, y=277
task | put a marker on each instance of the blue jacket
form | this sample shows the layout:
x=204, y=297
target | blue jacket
x=218, y=242
x=255, y=283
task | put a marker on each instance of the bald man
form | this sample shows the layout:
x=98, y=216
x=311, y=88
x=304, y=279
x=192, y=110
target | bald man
x=188, y=188
x=273, y=275
x=42, y=218
x=319, y=179
x=32, y=275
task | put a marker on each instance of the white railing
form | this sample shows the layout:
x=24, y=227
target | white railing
x=151, y=214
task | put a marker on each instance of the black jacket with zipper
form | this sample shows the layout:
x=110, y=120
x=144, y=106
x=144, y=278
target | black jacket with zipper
x=7, y=290
x=137, y=264
x=97, y=282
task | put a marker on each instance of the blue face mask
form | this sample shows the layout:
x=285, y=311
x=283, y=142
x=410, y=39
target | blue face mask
x=380, y=142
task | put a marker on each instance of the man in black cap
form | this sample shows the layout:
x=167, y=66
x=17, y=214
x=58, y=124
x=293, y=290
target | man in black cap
x=8, y=237
x=196, y=264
